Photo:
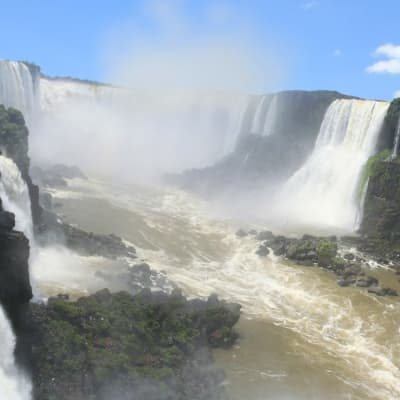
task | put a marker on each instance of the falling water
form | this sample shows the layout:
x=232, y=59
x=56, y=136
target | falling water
x=15, y=197
x=322, y=192
x=18, y=87
x=13, y=384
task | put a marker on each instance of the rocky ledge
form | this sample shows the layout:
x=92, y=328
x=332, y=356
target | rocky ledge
x=118, y=346
x=323, y=252
x=15, y=287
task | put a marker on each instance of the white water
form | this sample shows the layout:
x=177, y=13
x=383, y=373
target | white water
x=346, y=333
x=13, y=384
x=18, y=87
x=265, y=115
x=15, y=197
x=323, y=191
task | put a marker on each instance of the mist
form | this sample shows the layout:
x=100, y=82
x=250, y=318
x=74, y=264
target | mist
x=176, y=102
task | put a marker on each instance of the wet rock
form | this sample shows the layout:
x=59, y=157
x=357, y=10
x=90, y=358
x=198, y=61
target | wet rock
x=89, y=243
x=265, y=235
x=263, y=250
x=366, y=281
x=349, y=256
x=241, y=233
x=7, y=220
x=383, y=291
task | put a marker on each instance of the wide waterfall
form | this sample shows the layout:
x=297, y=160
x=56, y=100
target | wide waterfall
x=19, y=87
x=201, y=126
x=15, y=196
x=323, y=192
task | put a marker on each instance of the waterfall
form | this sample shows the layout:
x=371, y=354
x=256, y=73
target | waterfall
x=15, y=196
x=396, y=140
x=19, y=87
x=14, y=385
x=323, y=191
x=263, y=115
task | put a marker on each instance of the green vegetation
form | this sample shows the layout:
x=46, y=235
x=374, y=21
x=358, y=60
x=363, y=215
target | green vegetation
x=14, y=135
x=371, y=168
x=326, y=252
x=82, y=349
x=392, y=115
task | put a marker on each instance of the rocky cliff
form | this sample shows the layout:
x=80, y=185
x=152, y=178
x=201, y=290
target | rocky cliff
x=15, y=288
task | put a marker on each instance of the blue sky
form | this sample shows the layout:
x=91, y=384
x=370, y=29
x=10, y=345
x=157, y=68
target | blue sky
x=305, y=44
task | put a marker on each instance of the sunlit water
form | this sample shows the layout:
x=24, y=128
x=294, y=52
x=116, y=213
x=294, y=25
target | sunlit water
x=302, y=336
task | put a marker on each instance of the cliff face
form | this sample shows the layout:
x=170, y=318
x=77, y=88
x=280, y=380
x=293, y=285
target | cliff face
x=15, y=288
x=291, y=122
x=14, y=143
x=382, y=203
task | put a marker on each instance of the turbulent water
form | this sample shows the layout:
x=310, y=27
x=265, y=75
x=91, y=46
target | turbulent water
x=13, y=384
x=324, y=191
x=306, y=338
x=18, y=87
x=302, y=336
x=15, y=197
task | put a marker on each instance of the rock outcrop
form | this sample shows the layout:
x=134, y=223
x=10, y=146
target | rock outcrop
x=15, y=288
x=149, y=346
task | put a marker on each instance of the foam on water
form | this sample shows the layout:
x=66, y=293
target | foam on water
x=355, y=333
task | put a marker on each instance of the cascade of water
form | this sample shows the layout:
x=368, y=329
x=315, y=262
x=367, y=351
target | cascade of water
x=18, y=87
x=13, y=384
x=15, y=196
x=271, y=117
x=322, y=192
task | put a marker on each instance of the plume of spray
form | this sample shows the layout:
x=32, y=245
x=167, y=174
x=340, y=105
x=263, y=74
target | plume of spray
x=185, y=90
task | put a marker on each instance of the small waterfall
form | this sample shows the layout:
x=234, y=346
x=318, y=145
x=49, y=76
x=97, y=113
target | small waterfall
x=15, y=196
x=13, y=384
x=264, y=115
x=322, y=192
x=396, y=140
x=19, y=87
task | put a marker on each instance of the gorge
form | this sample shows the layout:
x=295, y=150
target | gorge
x=159, y=168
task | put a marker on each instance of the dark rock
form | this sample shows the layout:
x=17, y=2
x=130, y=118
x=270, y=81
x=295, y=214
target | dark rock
x=366, y=281
x=262, y=250
x=349, y=256
x=265, y=235
x=382, y=291
x=241, y=233
x=7, y=220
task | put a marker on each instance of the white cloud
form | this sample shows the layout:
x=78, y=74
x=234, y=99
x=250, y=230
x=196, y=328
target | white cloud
x=391, y=65
x=337, y=52
x=309, y=4
x=396, y=94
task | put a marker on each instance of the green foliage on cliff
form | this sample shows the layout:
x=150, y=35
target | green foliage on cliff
x=393, y=114
x=370, y=169
x=86, y=348
x=14, y=136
